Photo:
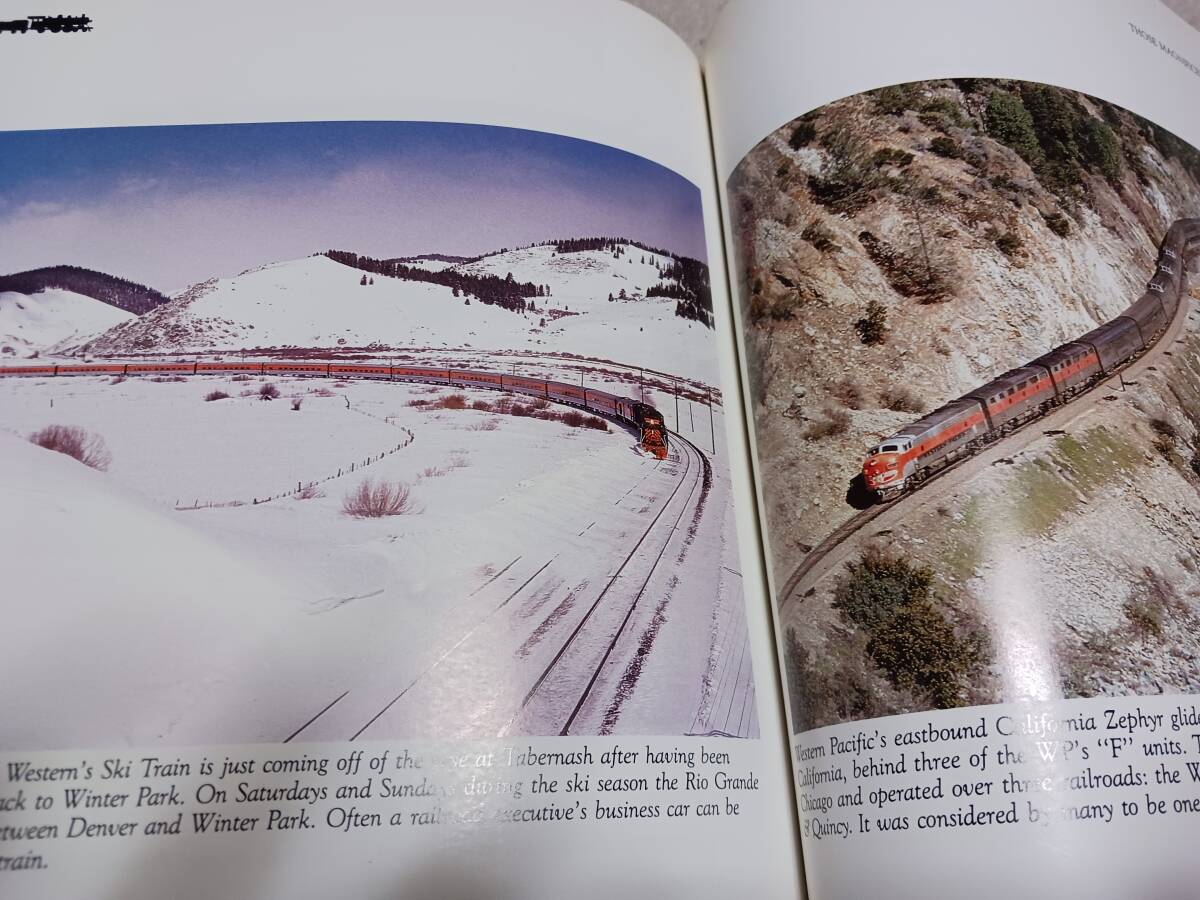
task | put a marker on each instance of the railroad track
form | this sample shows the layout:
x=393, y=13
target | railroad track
x=577, y=667
x=798, y=580
x=654, y=540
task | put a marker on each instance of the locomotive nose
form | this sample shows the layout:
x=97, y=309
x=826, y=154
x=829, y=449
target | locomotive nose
x=880, y=469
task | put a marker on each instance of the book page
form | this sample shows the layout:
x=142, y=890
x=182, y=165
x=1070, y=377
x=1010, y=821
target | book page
x=964, y=246
x=376, y=518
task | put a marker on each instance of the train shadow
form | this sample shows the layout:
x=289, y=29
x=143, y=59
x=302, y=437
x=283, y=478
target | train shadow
x=858, y=495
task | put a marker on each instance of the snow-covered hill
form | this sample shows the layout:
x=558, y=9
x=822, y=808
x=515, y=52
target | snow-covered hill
x=318, y=303
x=50, y=319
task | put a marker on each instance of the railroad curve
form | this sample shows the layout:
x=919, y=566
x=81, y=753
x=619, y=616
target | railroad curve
x=837, y=546
x=515, y=669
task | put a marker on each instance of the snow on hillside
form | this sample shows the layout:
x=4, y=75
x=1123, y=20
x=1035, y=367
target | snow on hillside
x=36, y=323
x=316, y=302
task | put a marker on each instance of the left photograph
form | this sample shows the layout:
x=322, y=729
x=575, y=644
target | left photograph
x=356, y=431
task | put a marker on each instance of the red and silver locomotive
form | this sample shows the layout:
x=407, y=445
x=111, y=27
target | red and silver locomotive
x=988, y=413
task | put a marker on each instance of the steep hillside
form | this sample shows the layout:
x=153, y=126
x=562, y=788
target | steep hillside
x=1072, y=568
x=49, y=319
x=902, y=246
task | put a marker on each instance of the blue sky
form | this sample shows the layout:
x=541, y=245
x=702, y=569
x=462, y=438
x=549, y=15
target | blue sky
x=172, y=205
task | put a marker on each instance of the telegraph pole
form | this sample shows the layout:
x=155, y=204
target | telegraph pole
x=676, y=404
x=711, y=430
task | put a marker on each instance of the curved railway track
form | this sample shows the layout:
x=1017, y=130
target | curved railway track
x=593, y=629
x=799, y=581
x=580, y=680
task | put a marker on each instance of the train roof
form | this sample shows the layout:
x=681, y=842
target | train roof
x=1013, y=378
x=939, y=417
x=1104, y=333
x=1066, y=352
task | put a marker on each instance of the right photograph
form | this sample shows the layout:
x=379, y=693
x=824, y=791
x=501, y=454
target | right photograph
x=974, y=374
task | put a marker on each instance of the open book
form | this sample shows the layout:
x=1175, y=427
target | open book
x=481, y=450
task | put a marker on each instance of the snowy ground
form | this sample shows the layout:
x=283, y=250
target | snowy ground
x=52, y=318
x=244, y=622
x=316, y=302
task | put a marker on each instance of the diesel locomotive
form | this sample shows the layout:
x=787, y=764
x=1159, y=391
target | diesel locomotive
x=963, y=426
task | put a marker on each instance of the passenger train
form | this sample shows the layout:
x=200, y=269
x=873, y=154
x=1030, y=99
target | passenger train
x=645, y=419
x=962, y=427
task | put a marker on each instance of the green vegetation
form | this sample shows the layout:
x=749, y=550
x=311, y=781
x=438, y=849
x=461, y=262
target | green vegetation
x=1052, y=131
x=1058, y=223
x=944, y=145
x=1009, y=122
x=872, y=328
x=821, y=695
x=804, y=132
x=894, y=100
x=1046, y=489
x=909, y=639
x=1145, y=616
x=942, y=113
x=891, y=156
x=964, y=550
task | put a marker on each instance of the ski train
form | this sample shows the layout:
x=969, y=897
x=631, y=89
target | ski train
x=645, y=419
x=962, y=427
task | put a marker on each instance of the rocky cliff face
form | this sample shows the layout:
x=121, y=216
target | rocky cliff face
x=897, y=249
x=980, y=222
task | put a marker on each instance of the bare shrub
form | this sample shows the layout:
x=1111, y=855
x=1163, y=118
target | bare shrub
x=167, y=379
x=596, y=423
x=519, y=410
x=309, y=492
x=1163, y=427
x=76, y=443
x=418, y=402
x=240, y=378
x=296, y=401
x=268, y=392
x=215, y=395
x=836, y=421
x=541, y=403
x=1165, y=447
x=1145, y=616
x=433, y=472
x=321, y=392
x=376, y=499
x=482, y=406
x=486, y=425
x=450, y=401
x=848, y=392
x=900, y=399
x=458, y=460
x=572, y=417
